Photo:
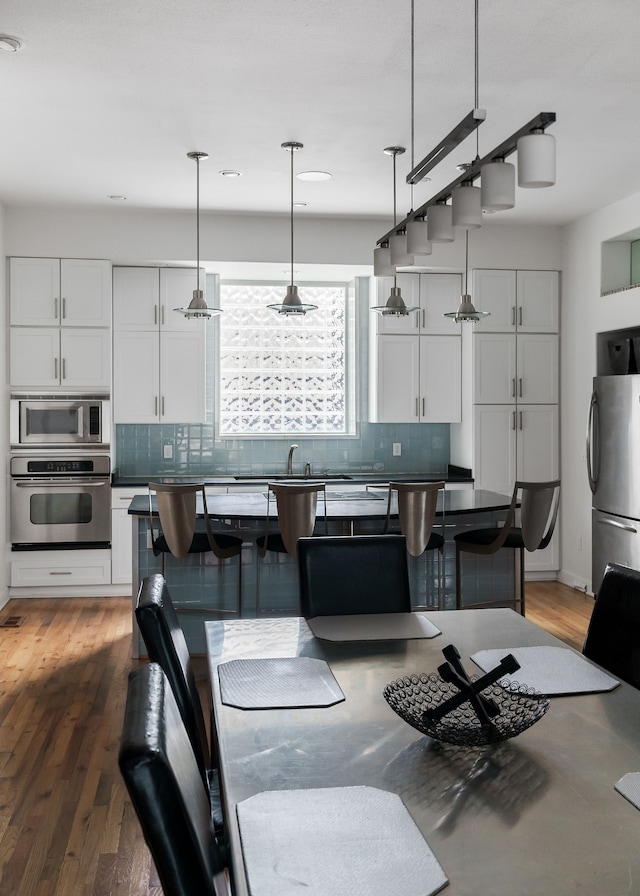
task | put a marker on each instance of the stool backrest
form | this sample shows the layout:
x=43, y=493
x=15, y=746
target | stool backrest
x=539, y=503
x=165, y=787
x=176, y=505
x=297, y=506
x=344, y=575
x=417, y=505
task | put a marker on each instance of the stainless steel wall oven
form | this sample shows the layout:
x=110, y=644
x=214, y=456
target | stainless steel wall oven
x=60, y=501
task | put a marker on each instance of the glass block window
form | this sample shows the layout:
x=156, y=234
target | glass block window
x=282, y=374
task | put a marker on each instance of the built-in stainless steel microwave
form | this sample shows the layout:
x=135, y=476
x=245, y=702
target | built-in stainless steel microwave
x=59, y=421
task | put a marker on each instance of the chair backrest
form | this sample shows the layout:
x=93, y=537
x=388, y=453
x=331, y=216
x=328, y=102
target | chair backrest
x=166, y=645
x=343, y=575
x=164, y=784
x=177, y=511
x=538, y=512
x=417, y=504
x=613, y=636
x=297, y=506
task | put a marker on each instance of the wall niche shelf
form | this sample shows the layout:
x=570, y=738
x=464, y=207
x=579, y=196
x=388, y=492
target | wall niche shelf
x=620, y=264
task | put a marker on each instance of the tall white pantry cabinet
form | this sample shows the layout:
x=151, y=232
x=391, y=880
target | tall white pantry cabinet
x=510, y=426
x=415, y=360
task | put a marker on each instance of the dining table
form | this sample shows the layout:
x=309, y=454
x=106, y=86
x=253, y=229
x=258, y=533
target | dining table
x=535, y=814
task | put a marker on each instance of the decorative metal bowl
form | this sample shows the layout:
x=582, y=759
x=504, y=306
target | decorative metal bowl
x=520, y=707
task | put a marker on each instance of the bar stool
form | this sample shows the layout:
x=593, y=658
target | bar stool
x=296, y=508
x=417, y=504
x=177, y=535
x=539, y=503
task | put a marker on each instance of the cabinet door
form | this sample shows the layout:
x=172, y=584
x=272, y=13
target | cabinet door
x=122, y=536
x=538, y=301
x=439, y=294
x=176, y=291
x=34, y=356
x=537, y=369
x=85, y=288
x=440, y=379
x=494, y=363
x=85, y=358
x=34, y=291
x=394, y=396
x=136, y=360
x=495, y=448
x=495, y=292
x=182, y=377
x=410, y=286
x=136, y=298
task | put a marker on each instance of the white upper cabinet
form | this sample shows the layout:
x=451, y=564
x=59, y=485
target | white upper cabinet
x=517, y=301
x=432, y=294
x=409, y=324
x=145, y=298
x=509, y=370
x=68, y=292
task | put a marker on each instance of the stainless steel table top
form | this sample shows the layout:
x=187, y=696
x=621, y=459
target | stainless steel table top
x=536, y=815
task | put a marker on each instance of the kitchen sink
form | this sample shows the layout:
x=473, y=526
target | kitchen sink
x=279, y=476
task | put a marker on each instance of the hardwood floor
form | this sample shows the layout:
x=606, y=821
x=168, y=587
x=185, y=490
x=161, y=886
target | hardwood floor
x=66, y=824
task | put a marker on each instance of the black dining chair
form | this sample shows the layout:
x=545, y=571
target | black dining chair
x=165, y=787
x=177, y=533
x=167, y=646
x=349, y=574
x=613, y=636
x=537, y=504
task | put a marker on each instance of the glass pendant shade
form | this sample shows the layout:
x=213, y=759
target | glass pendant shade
x=498, y=186
x=382, y=266
x=417, y=238
x=439, y=224
x=465, y=311
x=537, y=160
x=466, y=207
x=291, y=303
x=398, y=250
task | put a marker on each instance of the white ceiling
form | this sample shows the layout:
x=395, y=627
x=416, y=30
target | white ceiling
x=108, y=97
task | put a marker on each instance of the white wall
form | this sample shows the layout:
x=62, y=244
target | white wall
x=585, y=313
x=4, y=415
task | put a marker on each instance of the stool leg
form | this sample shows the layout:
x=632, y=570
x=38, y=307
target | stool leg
x=521, y=551
x=458, y=579
x=240, y=583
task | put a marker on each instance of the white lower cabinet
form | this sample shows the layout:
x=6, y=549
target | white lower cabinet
x=122, y=535
x=415, y=379
x=60, y=568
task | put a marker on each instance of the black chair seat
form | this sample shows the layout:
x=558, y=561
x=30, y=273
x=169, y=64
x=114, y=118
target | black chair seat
x=613, y=637
x=271, y=542
x=435, y=542
x=487, y=536
x=199, y=544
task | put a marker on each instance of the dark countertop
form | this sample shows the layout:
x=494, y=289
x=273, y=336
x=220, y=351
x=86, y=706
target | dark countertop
x=453, y=474
x=253, y=505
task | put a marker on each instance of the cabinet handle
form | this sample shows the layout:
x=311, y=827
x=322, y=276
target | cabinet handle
x=64, y=308
x=520, y=316
x=417, y=409
x=55, y=308
x=60, y=572
x=155, y=317
x=424, y=318
x=162, y=315
x=513, y=387
x=155, y=406
x=513, y=315
x=64, y=368
x=513, y=420
x=423, y=410
x=163, y=405
x=520, y=387
x=55, y=368
x=520, y=412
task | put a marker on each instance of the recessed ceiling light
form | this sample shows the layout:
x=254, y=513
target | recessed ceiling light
x=116, y=198
x=228, y=172
x=313, y=175
x=10, y=44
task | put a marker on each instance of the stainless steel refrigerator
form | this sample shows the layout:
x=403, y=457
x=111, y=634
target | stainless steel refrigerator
x=613, y=467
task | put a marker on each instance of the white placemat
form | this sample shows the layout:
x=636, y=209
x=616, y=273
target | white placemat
x=278, y=683
x=336, y=841
x=629, y=787
x=550, y=670
x=373, y=627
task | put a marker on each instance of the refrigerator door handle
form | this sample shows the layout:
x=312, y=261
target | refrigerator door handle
x=591, y=442
x=617, y=525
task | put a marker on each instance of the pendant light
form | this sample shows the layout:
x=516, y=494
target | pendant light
x=466, y=204
x=537, y=160
x=382, y=266
x=198, y=306
x=439, y=223
x=465, y=310
x=395, y=304
x=291, y=304
x=498, y=185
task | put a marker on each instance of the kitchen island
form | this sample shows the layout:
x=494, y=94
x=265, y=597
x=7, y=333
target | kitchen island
x=203, y=587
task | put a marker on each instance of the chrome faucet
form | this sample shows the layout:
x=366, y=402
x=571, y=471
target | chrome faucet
x=290, y=460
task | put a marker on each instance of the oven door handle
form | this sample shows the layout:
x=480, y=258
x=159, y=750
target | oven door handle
x=57, y=483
